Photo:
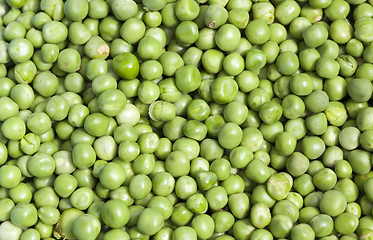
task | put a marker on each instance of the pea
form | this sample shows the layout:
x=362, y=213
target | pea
x=338, y=206
x=260, y=215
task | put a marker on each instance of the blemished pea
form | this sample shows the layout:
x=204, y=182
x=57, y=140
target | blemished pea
x=274, y=189
x=260, y=215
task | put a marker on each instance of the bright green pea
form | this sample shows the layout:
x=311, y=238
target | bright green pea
x=287, y=11
x=9, y=108
x=257, y=32
x=216, y=197
x=112, y=176
x=177, y=163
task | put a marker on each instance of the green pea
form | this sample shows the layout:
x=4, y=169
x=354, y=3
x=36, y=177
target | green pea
x=257, y=32
x=216, y=197
x=273, y=185
x=286, y=11
x=313, y=147
x=346, y=223
x=292, y=60
x=359, y=162
x=181, y=215
x=285, y=143
x=280, y=225
x=359, y=89
x=258, y=171
x=322, y=225
x=20, y=193
x=260, y=215
x=212, y=61
x=252, y=138
x=96, y=48
x=115, y=213
x=255, y=60
x=215, y=16
x=333, y=203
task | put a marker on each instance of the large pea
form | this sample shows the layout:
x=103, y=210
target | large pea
x=260, y=215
